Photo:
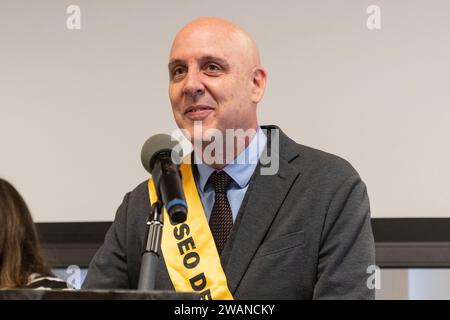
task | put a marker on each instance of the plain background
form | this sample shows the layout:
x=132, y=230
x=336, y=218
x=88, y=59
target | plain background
x=77, y=105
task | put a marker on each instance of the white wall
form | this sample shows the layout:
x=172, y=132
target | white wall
x=76, y=106
x=414, y=284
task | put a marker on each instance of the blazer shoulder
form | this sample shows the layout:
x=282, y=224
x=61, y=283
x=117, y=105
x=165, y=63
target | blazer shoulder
x=137, y=201
x=311, y=160
x=321, y=163
x=140, y=192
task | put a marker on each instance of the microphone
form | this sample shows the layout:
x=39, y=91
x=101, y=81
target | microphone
x=156, y=157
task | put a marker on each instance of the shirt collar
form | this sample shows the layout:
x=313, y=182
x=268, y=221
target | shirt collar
x=240, y=169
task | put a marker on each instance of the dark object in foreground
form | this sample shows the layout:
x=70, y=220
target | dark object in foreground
x=22, y=294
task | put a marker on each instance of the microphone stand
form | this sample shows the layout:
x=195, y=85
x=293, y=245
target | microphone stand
x=151, y=253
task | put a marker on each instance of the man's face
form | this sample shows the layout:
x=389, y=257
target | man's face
x=211, y=81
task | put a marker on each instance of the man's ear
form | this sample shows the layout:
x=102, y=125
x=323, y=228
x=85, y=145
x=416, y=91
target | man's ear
x=259, y=77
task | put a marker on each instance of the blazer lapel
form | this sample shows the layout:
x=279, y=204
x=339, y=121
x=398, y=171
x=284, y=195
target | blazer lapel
x=266, y=194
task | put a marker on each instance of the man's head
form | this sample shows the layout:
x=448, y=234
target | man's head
x=215, y=76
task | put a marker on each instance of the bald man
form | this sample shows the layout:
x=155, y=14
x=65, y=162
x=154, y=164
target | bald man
x=298, y=231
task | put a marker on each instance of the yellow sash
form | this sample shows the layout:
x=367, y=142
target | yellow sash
x=188, y=248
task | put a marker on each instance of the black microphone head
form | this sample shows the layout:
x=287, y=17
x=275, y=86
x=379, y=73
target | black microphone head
x=155, y=145
x=178, y=213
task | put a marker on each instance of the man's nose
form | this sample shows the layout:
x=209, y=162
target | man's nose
x=193, y=85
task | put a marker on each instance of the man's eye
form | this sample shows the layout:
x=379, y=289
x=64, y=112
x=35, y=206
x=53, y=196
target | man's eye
x=213, y=67
x=177, y=71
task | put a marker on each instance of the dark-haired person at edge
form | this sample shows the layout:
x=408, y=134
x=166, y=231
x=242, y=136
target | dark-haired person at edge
x=22, y=263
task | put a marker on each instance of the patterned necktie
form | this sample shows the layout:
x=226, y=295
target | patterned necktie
x=221, y=220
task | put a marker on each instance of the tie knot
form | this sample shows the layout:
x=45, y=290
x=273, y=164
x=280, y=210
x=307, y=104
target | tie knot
x=220, y=181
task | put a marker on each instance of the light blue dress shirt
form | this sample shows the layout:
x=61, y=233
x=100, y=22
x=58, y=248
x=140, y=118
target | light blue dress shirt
x=240, y=170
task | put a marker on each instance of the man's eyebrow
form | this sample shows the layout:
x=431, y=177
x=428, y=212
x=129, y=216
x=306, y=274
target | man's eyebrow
x=215, y=59
x=203, y=59
x=175, y=62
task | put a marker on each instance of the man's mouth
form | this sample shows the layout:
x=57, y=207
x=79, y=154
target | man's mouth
x=198, y=112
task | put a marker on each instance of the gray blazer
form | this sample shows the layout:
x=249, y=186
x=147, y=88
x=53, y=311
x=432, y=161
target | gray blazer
x=303, y=233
